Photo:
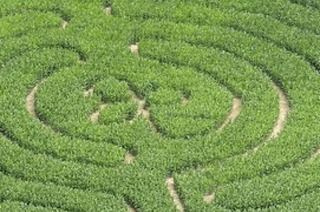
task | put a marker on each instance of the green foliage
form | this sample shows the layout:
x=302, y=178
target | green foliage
x=85, y=125
x=117, y=113
x=111, y=90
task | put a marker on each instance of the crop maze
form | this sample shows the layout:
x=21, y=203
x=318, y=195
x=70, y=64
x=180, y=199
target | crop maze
x=159, y=105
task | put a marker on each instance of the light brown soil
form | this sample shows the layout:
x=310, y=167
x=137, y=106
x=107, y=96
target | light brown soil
x=184, y=101
x=283, y=113
x=134, y=48
x=107, y=10
x=129, y=158
x=81, y=62
x=131, y=209
x=30, y=102
x=237, y=104
x=142, y=111
x=174, y=194
x=88, y=93
x=64, y=24
x=94, y=117
x=314, y=155
x=208, y=198
x=284, y=109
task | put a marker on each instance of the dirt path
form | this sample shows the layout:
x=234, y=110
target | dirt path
x=142, y=110
x=30, y=102
x=64, y=24
x=284, y=109
x=237, y=104
x=134, y=48
x=88, y=93
x=131, y=209
x=174, y=194
x=184, y=100
x=94, y=117
x=129, y=158
x=208, y=198
x=283, y=113
x=81, y=62
x=107, y=10
x=141, y=102
x=314, y=155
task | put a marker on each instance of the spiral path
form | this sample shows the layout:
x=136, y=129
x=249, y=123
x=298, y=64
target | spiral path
x=170, y=105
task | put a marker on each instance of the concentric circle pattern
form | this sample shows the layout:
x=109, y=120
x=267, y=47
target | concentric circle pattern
x=169, y=105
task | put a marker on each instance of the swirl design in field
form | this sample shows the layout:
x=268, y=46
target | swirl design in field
x=159, y=105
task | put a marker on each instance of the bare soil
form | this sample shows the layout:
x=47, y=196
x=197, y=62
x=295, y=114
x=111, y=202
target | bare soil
x=142, y=111
x=30, y=102
x=174, y=194
x=94, y=117
x=208, y=198
x=134, y=48
x=107, y=10
x=236, y=109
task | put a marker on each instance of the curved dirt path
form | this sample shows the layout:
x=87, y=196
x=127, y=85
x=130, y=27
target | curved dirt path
x=284, y=109
x=236, y=109
x=174, y=194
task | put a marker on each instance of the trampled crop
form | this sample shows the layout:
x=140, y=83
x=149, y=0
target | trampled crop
x=159, y=105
